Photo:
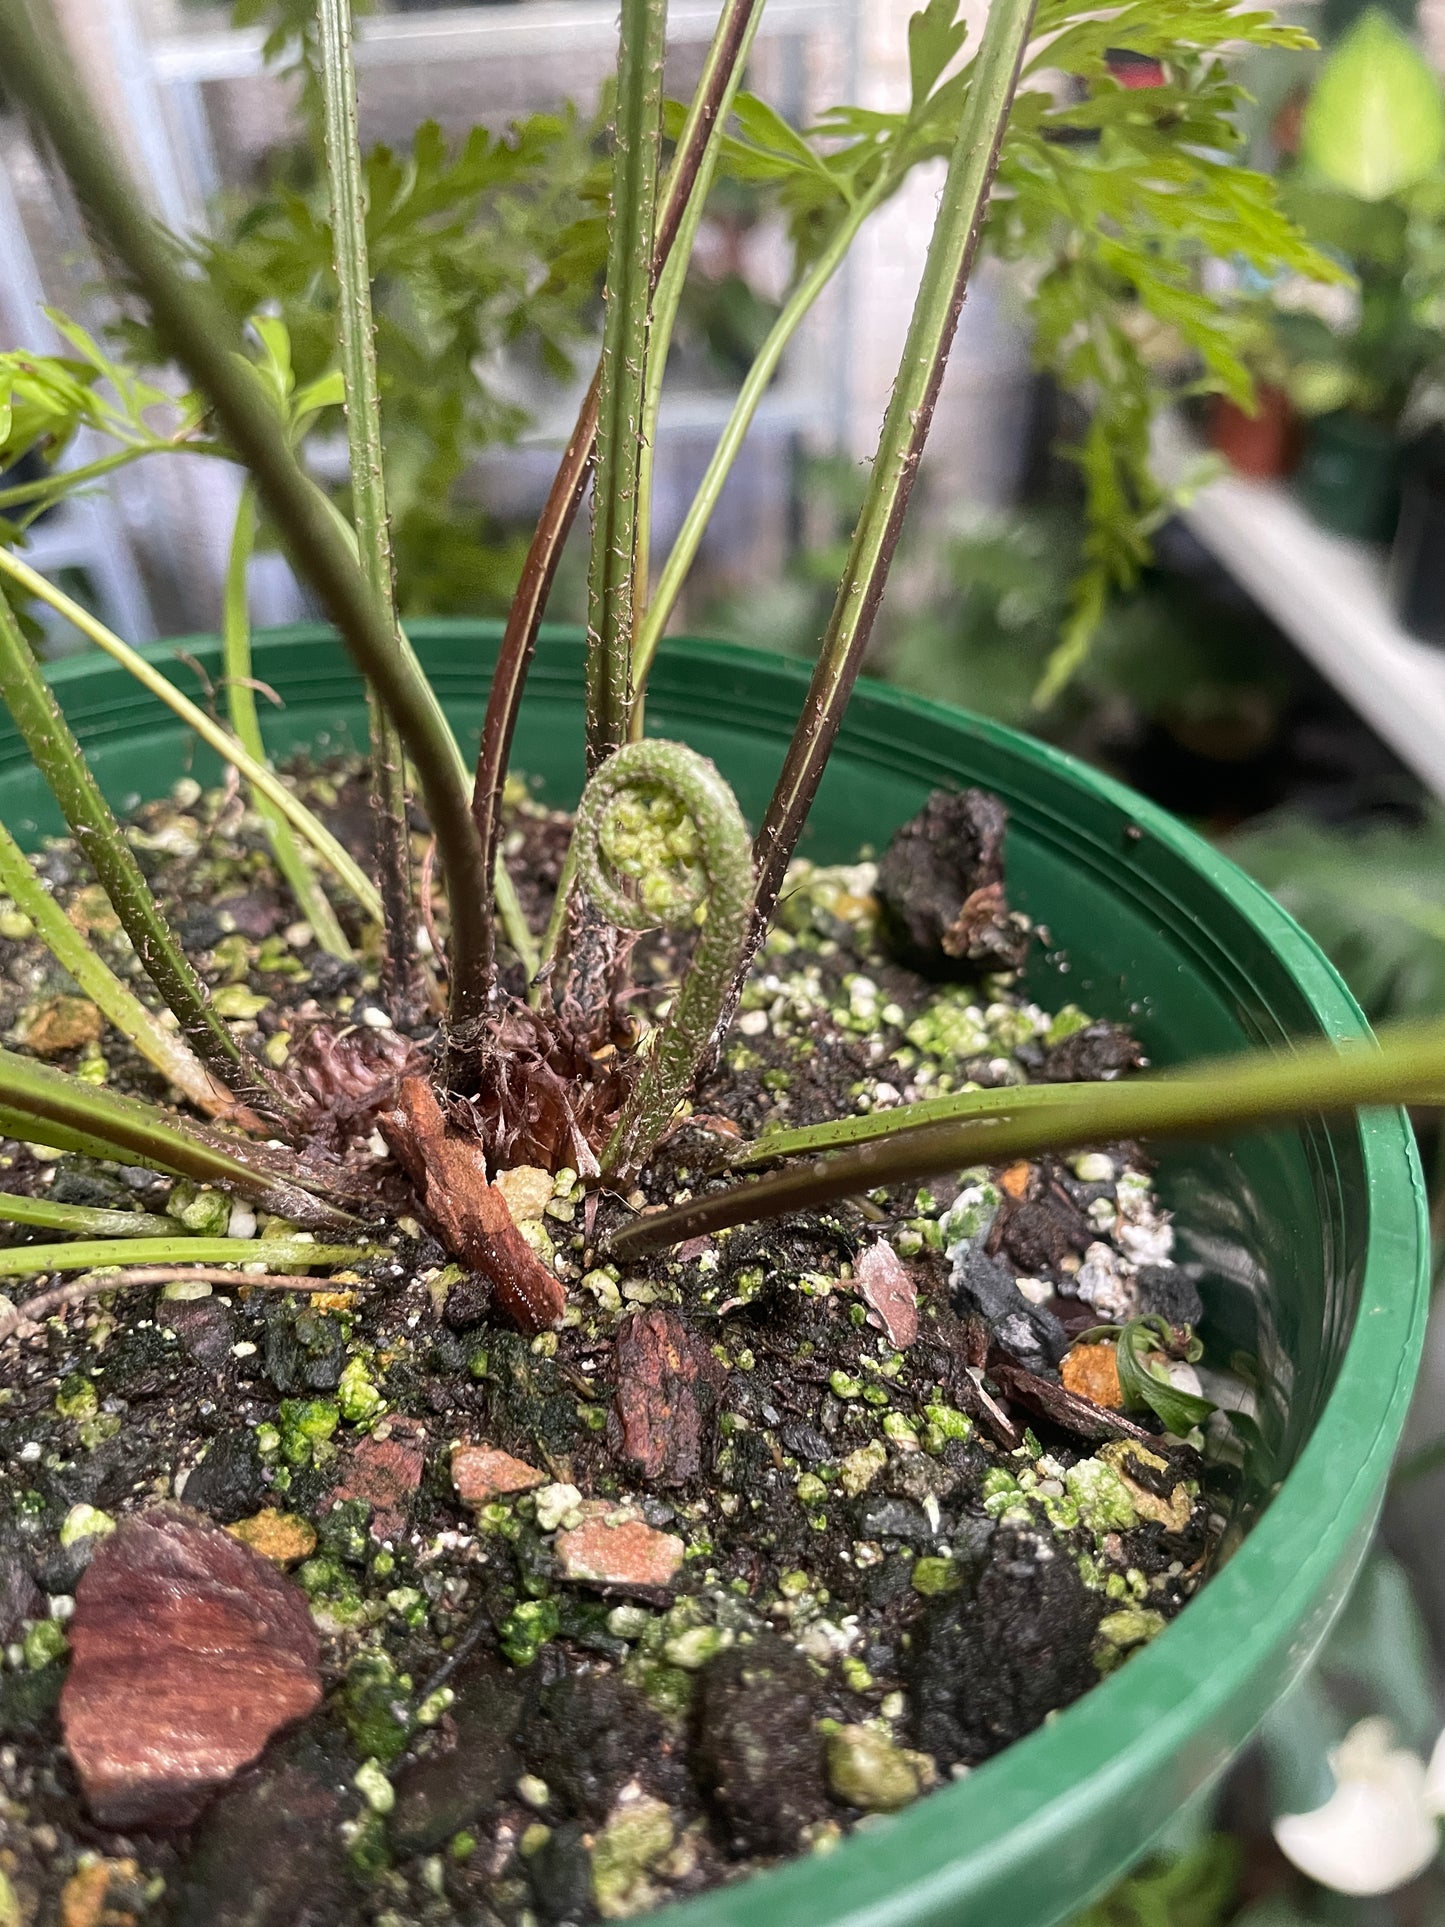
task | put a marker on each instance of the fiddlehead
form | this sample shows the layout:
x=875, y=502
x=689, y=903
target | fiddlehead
x=660, y=841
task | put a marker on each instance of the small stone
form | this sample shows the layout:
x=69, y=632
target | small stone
x=235, y=1000
x=205, y=1328
x=281, y=1537
x=270, y=1852
x=386, y=1474
x=612, y=1547
x=585, y=1735
x=1131, y=1626
x=693, y=1649
x=482, y=1473
x=861, y=1468
x=374, y=1787
x=62, y=1024
x=357, y=1396
x=199, y=1209
x=83, y=1897
x=85, y=1522
x=1014, y=1182
x=638, y=1834
x=558, y=1505
x=868, y=1771
x=184, y=1291
x=887, y=1288
x=190, y=1653
x=527, y=1189
x=1092, y=1372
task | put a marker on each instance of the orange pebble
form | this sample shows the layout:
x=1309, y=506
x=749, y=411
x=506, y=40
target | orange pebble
x=1091, y=1372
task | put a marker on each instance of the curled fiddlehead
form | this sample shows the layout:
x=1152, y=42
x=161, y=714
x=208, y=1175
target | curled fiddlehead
x=660, y=842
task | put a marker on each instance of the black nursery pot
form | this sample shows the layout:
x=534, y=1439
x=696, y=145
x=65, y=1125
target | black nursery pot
x=1417, y=560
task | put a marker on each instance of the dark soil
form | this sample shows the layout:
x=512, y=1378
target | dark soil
x=845, y=1570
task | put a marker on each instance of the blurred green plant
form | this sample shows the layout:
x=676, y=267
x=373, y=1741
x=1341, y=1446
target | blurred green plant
x=1370, y=189
x=1370, y=897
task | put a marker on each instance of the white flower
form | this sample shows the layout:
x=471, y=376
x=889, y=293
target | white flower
x=1378, y=1828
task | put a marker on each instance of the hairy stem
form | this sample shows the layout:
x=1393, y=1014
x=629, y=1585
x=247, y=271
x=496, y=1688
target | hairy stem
x=198, y=332
x=637, y=143
x=368, y=484
x=172, y=1057
x=721, y=77
x=519, y=639
x=98, y=836
x=659, y=818
x=951, y=252
x=721, y=71
x=1406, y=1066
x=311, y=899
x=755, y=386
x=263, y=780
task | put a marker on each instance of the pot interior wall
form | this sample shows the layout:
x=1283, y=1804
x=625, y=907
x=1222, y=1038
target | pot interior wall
x=1144, y=923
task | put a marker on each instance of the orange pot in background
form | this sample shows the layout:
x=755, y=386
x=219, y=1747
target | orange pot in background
x=1265, y=445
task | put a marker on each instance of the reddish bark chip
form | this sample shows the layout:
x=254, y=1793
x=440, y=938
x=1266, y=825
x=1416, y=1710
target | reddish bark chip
x=482, y=1473
x=887, y=1288
x=190, y=1653
x=614, y=1548
x=449, y=1171
x=385, y=1472
x=667, y=1386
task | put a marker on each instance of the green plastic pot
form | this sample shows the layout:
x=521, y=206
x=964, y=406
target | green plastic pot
x=1349, y=475
x=1315, y=1236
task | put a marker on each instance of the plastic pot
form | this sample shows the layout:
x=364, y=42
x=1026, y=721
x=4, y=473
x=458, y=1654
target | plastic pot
x=1265, y=445
x=1314, y=1236
x=1349, y=475
x=1417, y=560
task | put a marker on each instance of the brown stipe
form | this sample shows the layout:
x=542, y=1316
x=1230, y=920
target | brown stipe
x=519, y=640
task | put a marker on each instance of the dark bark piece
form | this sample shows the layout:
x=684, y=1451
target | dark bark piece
x=472, y=1765
x=1038, y=1231
x=190, y=1653
x=588, y=1734
x=757, y=1753
x=1094, y=1055
x=941, y=885
x=471, y=1217
x=986, y=1670
x=1170, y=1292
x=20, y=1597
x=271, y=1851
x=1051, y=1400
x=667, y=1390
x=230, y=1481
